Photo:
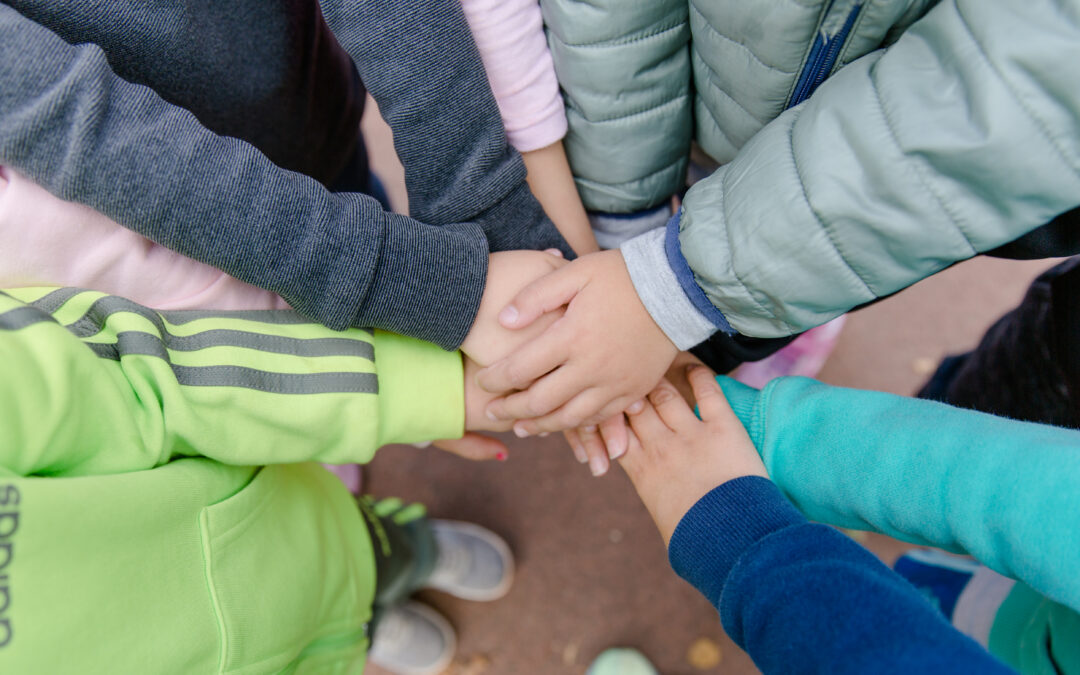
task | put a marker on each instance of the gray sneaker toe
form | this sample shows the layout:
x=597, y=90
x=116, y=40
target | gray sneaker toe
x=474, y=563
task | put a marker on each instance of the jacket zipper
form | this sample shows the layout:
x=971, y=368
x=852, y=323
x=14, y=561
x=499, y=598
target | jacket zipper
x=823, y=55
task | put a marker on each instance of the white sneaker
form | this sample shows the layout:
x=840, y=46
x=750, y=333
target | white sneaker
x=474, y=563
x=413, y=639
x=621, y=661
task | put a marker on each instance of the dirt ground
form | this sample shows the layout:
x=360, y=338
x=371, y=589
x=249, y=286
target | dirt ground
x=592, y=571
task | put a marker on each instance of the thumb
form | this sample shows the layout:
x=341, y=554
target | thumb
x=474, y=446
x=544, y=295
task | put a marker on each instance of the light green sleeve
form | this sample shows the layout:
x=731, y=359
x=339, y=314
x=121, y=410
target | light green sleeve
x=98, y=384
x=1001, y=490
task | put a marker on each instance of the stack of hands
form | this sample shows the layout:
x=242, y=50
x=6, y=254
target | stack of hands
x=561, y=346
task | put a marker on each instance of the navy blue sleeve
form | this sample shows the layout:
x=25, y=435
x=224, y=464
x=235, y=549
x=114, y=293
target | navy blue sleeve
x=803, y=598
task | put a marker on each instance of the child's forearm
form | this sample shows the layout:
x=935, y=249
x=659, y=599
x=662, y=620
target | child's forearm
x=552, y=183
x=142, y=388
x=1003, y=491
x=259, y=223
x=780, y=584
x=431, y=89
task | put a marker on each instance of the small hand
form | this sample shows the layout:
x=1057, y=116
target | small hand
x=476, y=446
x=595, y=445
x=508, y=273
x=592, y=444
x=476, y=401
x=675, y=459
x=604, y=354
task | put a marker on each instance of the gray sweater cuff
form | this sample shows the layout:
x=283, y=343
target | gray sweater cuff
x=661, y=293
x=428, y=282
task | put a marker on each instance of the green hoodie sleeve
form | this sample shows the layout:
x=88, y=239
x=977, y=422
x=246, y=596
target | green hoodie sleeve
x=99, y=384
x=1001, y=490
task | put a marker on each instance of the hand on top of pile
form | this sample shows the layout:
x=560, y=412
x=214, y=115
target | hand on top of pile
x=599, y=351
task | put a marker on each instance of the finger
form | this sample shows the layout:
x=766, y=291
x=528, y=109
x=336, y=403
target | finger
x=589, y=408
x=531, y=361
x=475, y=447
x=539, y=398
x=647, y=425
x=547, y=293
x=633, y=457
x=574, y=440
x=595, y=450
x=711, y=402
x=553, y=252
x=633, y=449
x=672, y=408
x=614, y=432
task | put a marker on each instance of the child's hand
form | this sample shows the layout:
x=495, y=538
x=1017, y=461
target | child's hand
x=591, y=444
x=508, y=273
x=603, y=355
x=675, y=459
x=476, y=401
x=596, y=445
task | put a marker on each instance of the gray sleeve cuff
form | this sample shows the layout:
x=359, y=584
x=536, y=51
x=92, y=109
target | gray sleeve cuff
x=661, y=293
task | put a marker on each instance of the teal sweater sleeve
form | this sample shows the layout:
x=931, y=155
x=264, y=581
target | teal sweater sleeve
x=1001, y=490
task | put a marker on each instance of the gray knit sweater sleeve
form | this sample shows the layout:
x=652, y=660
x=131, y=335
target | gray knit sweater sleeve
x=71, y=124
x=419, y=61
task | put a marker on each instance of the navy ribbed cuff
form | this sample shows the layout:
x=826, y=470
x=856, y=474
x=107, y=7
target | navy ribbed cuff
x=685, y=275
x=722, y=525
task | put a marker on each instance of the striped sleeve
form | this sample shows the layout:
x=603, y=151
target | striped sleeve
x=98, y=384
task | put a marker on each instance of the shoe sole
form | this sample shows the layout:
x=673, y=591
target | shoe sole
x=480, y=594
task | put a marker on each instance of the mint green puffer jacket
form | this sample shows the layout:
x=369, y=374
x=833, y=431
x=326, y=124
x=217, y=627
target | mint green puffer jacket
x=644, y=78
x=963, y=133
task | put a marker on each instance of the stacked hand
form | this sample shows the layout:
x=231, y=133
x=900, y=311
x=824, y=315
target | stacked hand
x=575, y=349
x=592, y=362
x=675, y=458
x=598, y=445
x=487, y=342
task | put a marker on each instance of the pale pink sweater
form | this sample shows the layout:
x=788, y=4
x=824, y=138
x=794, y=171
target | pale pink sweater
x=510, y=36
x=45, y=241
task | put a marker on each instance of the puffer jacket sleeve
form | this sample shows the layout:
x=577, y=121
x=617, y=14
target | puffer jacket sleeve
x=625, y=73
x=963, y=135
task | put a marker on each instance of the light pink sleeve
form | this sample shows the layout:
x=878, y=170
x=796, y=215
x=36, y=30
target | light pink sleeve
x=45, y=241
x=510, y=36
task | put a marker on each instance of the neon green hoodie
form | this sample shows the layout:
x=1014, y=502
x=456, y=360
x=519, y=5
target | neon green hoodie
x=155, y=513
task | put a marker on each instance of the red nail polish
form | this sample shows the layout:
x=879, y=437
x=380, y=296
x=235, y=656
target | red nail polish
x=501, y=456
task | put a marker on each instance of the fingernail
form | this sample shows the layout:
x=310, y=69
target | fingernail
x=491, y=416
x=616, y=449
x=520, y=431
x=509, y=315
x=591, y=428
x=636, y=407
x=501, y=456
x=596, y=466
x=582, y=458
x=543, y=434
